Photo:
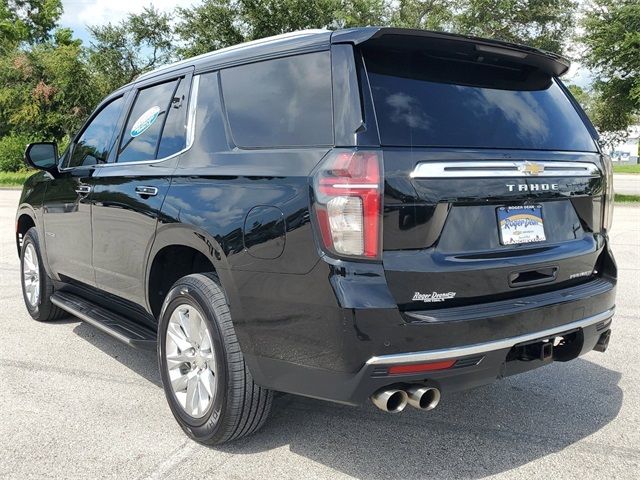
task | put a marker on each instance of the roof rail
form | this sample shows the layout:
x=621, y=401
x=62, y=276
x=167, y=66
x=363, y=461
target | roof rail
x=238, y=47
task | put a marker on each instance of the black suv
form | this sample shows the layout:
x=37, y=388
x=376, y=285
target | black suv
x=371, y=213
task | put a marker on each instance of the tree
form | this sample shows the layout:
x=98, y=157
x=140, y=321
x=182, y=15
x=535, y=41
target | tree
x=121, y=52
x=612, y=40
x=214, y=24
x=545, y=24
x=219, y=23
x=426, y=14
x=46, y=91
x=30, y=21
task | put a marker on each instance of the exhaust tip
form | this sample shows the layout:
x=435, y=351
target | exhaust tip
x=391, y=400
x=423, y=398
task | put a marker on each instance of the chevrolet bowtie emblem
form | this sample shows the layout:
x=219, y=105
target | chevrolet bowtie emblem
x=531, y=168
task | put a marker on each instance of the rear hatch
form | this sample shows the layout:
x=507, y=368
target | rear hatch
x=493, y=182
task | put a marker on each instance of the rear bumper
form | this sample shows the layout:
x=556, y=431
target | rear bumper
x=479, y=349
x=475, y=365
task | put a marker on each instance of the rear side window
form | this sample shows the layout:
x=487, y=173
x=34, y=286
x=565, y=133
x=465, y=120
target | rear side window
x=426, y=99
x=174, y=133
x=280, y=103
x=156, y=126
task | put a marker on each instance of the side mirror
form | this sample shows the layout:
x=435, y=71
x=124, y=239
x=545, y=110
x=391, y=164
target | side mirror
x=42, y=155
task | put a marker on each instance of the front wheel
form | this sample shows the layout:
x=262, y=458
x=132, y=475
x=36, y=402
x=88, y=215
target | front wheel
x=207, y=384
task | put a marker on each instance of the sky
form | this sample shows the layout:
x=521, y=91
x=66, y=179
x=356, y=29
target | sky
x=80, y=13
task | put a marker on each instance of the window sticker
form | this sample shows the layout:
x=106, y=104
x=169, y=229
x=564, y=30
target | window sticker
x=145, y=120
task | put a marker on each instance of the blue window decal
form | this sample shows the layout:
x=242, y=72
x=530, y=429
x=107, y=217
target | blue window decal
x=145, y=120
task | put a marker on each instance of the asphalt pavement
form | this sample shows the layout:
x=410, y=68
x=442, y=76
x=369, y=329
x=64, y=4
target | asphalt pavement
x=75, y=403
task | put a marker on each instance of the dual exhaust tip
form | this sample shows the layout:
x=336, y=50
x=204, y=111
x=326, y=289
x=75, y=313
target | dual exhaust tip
x=394, y=400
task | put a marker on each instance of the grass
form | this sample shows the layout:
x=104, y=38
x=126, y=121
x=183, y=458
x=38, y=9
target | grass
x=620, y=198
x=626, y=168
x=14, y=179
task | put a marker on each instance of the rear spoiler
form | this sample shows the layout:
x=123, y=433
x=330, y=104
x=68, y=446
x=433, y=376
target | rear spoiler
x=550, y=63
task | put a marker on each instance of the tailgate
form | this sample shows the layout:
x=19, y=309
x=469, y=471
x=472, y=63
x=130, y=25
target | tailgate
x=444, y=244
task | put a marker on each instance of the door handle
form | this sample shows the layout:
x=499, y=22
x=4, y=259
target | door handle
x=83, y=189
x=147, y=191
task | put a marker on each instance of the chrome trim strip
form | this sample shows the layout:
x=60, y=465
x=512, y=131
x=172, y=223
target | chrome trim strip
x=190, y=134
x=191, y=114
x=504, y=168
x=479, y=348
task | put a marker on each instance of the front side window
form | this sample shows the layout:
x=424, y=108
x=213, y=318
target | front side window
x=156, y=127
x=97, y=139
x=284, y=102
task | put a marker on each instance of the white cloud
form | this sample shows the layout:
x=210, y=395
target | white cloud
x=79, y=13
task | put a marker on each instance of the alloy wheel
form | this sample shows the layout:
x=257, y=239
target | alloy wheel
x=31, y=275
x=190, y=360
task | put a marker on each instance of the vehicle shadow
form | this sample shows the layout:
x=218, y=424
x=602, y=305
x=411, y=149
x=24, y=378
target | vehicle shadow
x=472, y=434
x=144, y=363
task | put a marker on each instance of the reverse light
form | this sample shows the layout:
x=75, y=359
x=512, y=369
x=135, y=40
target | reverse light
x=348, y=202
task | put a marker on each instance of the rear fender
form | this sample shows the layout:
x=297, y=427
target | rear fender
x=203, y=242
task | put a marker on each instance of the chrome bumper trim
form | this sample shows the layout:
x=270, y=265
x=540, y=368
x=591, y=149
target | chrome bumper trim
x=479, y=348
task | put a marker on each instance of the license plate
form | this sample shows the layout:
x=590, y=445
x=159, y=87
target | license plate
x=520, y=224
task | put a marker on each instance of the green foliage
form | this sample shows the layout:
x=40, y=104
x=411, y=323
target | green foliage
x=545, y=24
x=14, y=179
x=612, y=38
x=46, y=91
x=626, y=169
x=583, y=97
x=214, y=24
x=621, y=198
x=12, y=152
x=30, y=21
x=123, y=51
x=427, y=14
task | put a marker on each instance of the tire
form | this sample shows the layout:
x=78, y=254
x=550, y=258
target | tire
x=37, y=287
x=234, y=405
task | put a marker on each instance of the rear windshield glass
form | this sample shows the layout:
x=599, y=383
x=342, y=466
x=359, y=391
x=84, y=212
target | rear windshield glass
x=425, y=99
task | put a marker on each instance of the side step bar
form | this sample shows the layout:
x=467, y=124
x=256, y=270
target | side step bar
x=111, y=323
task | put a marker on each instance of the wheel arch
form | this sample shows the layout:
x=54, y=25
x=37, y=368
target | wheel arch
x=25, y=219
x=180, y=250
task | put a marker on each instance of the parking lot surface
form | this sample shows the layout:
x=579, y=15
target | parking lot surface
x=76, y=403
x=627, y=184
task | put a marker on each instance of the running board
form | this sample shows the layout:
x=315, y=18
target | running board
x=111, y=323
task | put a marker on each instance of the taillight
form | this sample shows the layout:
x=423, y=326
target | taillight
x=607, y=216
x=348, y=202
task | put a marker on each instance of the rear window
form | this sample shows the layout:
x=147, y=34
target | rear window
x=280, y=103
x=156, y=125
x=426, y=99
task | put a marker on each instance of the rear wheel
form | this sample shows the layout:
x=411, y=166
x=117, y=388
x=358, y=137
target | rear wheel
x=208, y=386
x=37, y=287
